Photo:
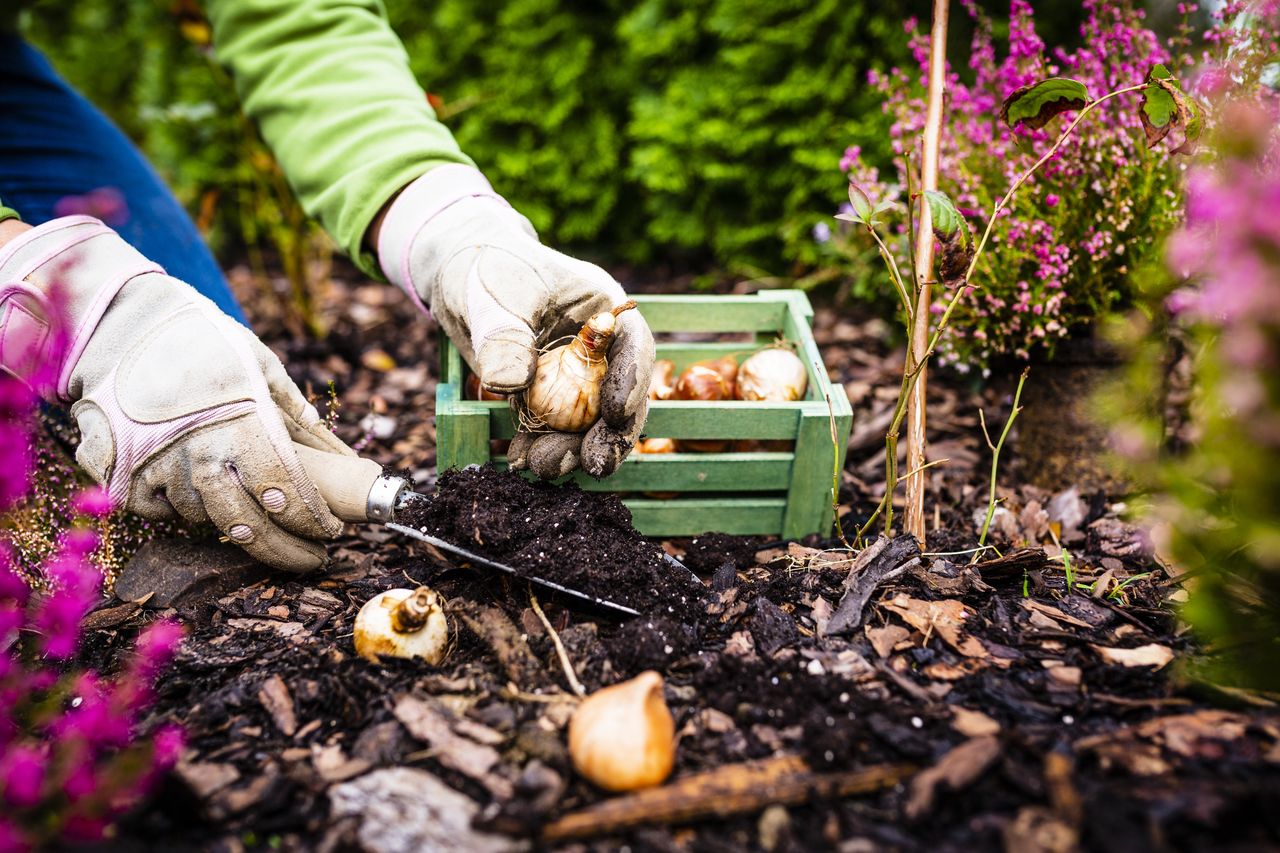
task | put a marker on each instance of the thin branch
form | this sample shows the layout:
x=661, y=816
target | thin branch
x=894, y=274
x=569, y=674
x=923, y=467
x=995, y=455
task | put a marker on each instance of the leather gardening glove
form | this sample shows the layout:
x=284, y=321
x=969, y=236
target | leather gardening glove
x=462, y=252
x=182, y=411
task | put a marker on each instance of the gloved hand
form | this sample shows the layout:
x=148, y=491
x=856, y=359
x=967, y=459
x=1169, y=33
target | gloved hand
x=182, y=411
x=462, y=252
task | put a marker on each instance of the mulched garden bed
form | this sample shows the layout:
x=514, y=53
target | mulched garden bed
x=886, y=699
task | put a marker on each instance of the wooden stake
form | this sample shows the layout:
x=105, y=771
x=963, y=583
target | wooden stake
x=728, y=790
x=914, y=515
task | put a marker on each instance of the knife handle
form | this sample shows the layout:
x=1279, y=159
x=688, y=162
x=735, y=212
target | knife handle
x=355, y=489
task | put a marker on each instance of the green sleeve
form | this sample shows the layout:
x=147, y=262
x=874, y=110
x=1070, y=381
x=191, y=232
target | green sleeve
x=329, y=85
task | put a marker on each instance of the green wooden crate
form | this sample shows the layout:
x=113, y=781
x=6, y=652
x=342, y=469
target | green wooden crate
x=772, y=494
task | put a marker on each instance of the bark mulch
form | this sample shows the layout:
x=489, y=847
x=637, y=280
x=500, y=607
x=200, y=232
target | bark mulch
x=1032, y=698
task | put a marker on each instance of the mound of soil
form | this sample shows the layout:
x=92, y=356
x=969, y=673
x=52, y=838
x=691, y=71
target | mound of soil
x=581, y=540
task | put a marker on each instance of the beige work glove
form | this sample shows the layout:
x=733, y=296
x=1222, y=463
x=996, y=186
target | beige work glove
x=182, y=411
x=463, y=253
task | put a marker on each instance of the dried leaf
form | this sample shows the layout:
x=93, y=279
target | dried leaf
x=1036, y=105
x=944, y=618
x=884, y=639
x=972, y=723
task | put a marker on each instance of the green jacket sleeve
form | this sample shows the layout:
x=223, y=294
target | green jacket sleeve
x=329, y=86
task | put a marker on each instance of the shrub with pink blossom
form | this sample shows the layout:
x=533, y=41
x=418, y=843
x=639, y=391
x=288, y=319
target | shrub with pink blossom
x=72, y=758
x=1062, y=252
x=1211, y=467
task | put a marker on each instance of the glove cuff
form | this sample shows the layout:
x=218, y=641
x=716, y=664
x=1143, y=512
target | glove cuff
x=412, y=213
x=51, y=301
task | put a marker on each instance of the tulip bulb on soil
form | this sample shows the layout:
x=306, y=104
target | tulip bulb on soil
x=403, y=623
x=622, y=738
x=565, y=394
x=773, y=374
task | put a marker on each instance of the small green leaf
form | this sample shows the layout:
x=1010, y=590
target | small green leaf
x=1036, y=105
x=861, y=203
x=947, y=221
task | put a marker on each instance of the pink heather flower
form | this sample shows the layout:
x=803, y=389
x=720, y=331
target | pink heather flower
x=1051, y=200
x=155, y=647
x=93, y=501
x=23, y=775
x=12, y=839
x=105, y=203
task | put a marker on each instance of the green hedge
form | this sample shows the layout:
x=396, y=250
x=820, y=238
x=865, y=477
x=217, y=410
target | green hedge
x=700, y=130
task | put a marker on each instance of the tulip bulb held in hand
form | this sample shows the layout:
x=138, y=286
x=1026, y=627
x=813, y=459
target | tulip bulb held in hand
x=403, y=623
x=622, y=738
x=565, y=394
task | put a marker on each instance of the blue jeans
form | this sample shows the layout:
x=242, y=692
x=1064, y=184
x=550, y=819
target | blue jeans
x=55, y=146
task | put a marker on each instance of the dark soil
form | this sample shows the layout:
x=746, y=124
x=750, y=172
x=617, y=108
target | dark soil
x=581, y=540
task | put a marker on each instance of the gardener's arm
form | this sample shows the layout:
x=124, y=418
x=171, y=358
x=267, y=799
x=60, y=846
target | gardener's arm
x=330, y=87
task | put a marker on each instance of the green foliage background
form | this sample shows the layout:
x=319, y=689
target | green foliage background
x=701, y=131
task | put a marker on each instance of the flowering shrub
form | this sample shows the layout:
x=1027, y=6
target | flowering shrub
x=1216, y=488
x=1062, y=251
x=70, y=758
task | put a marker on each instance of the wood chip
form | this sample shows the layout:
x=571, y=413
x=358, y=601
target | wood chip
x=277, y=701
x=956, y=769
x=1152, y=654
x=430, y=725
x=1053, y=613
x=206, y=778
x=972, y=723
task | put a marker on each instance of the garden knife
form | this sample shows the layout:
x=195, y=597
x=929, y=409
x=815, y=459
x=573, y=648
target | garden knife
x=358, y=491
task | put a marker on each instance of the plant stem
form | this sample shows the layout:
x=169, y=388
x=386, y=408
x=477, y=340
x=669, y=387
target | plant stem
x=995, y=455
x=923, y=262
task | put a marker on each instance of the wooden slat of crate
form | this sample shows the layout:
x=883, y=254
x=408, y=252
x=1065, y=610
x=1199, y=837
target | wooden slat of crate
x=693, y=472
x=745, y=516
x=688, y=419
x=697, y=313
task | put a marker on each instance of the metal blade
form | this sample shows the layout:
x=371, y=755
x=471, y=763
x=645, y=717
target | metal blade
x=505, y=569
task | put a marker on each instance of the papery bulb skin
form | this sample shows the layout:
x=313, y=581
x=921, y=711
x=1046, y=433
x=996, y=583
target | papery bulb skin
x=775, y=375
x=656, y=445
x=727, y=367
x=622, y=737
x=565, y=394
x=662, y=386
x=403, y=623
x=706, y=384
x=700, y=382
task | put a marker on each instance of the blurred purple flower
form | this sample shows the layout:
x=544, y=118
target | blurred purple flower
x=105, y=203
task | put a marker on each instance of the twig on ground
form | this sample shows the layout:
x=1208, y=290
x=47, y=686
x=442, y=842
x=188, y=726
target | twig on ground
x=574, y=683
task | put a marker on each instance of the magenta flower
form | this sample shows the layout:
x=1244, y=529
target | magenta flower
x=23, y=775
x=93, y=501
